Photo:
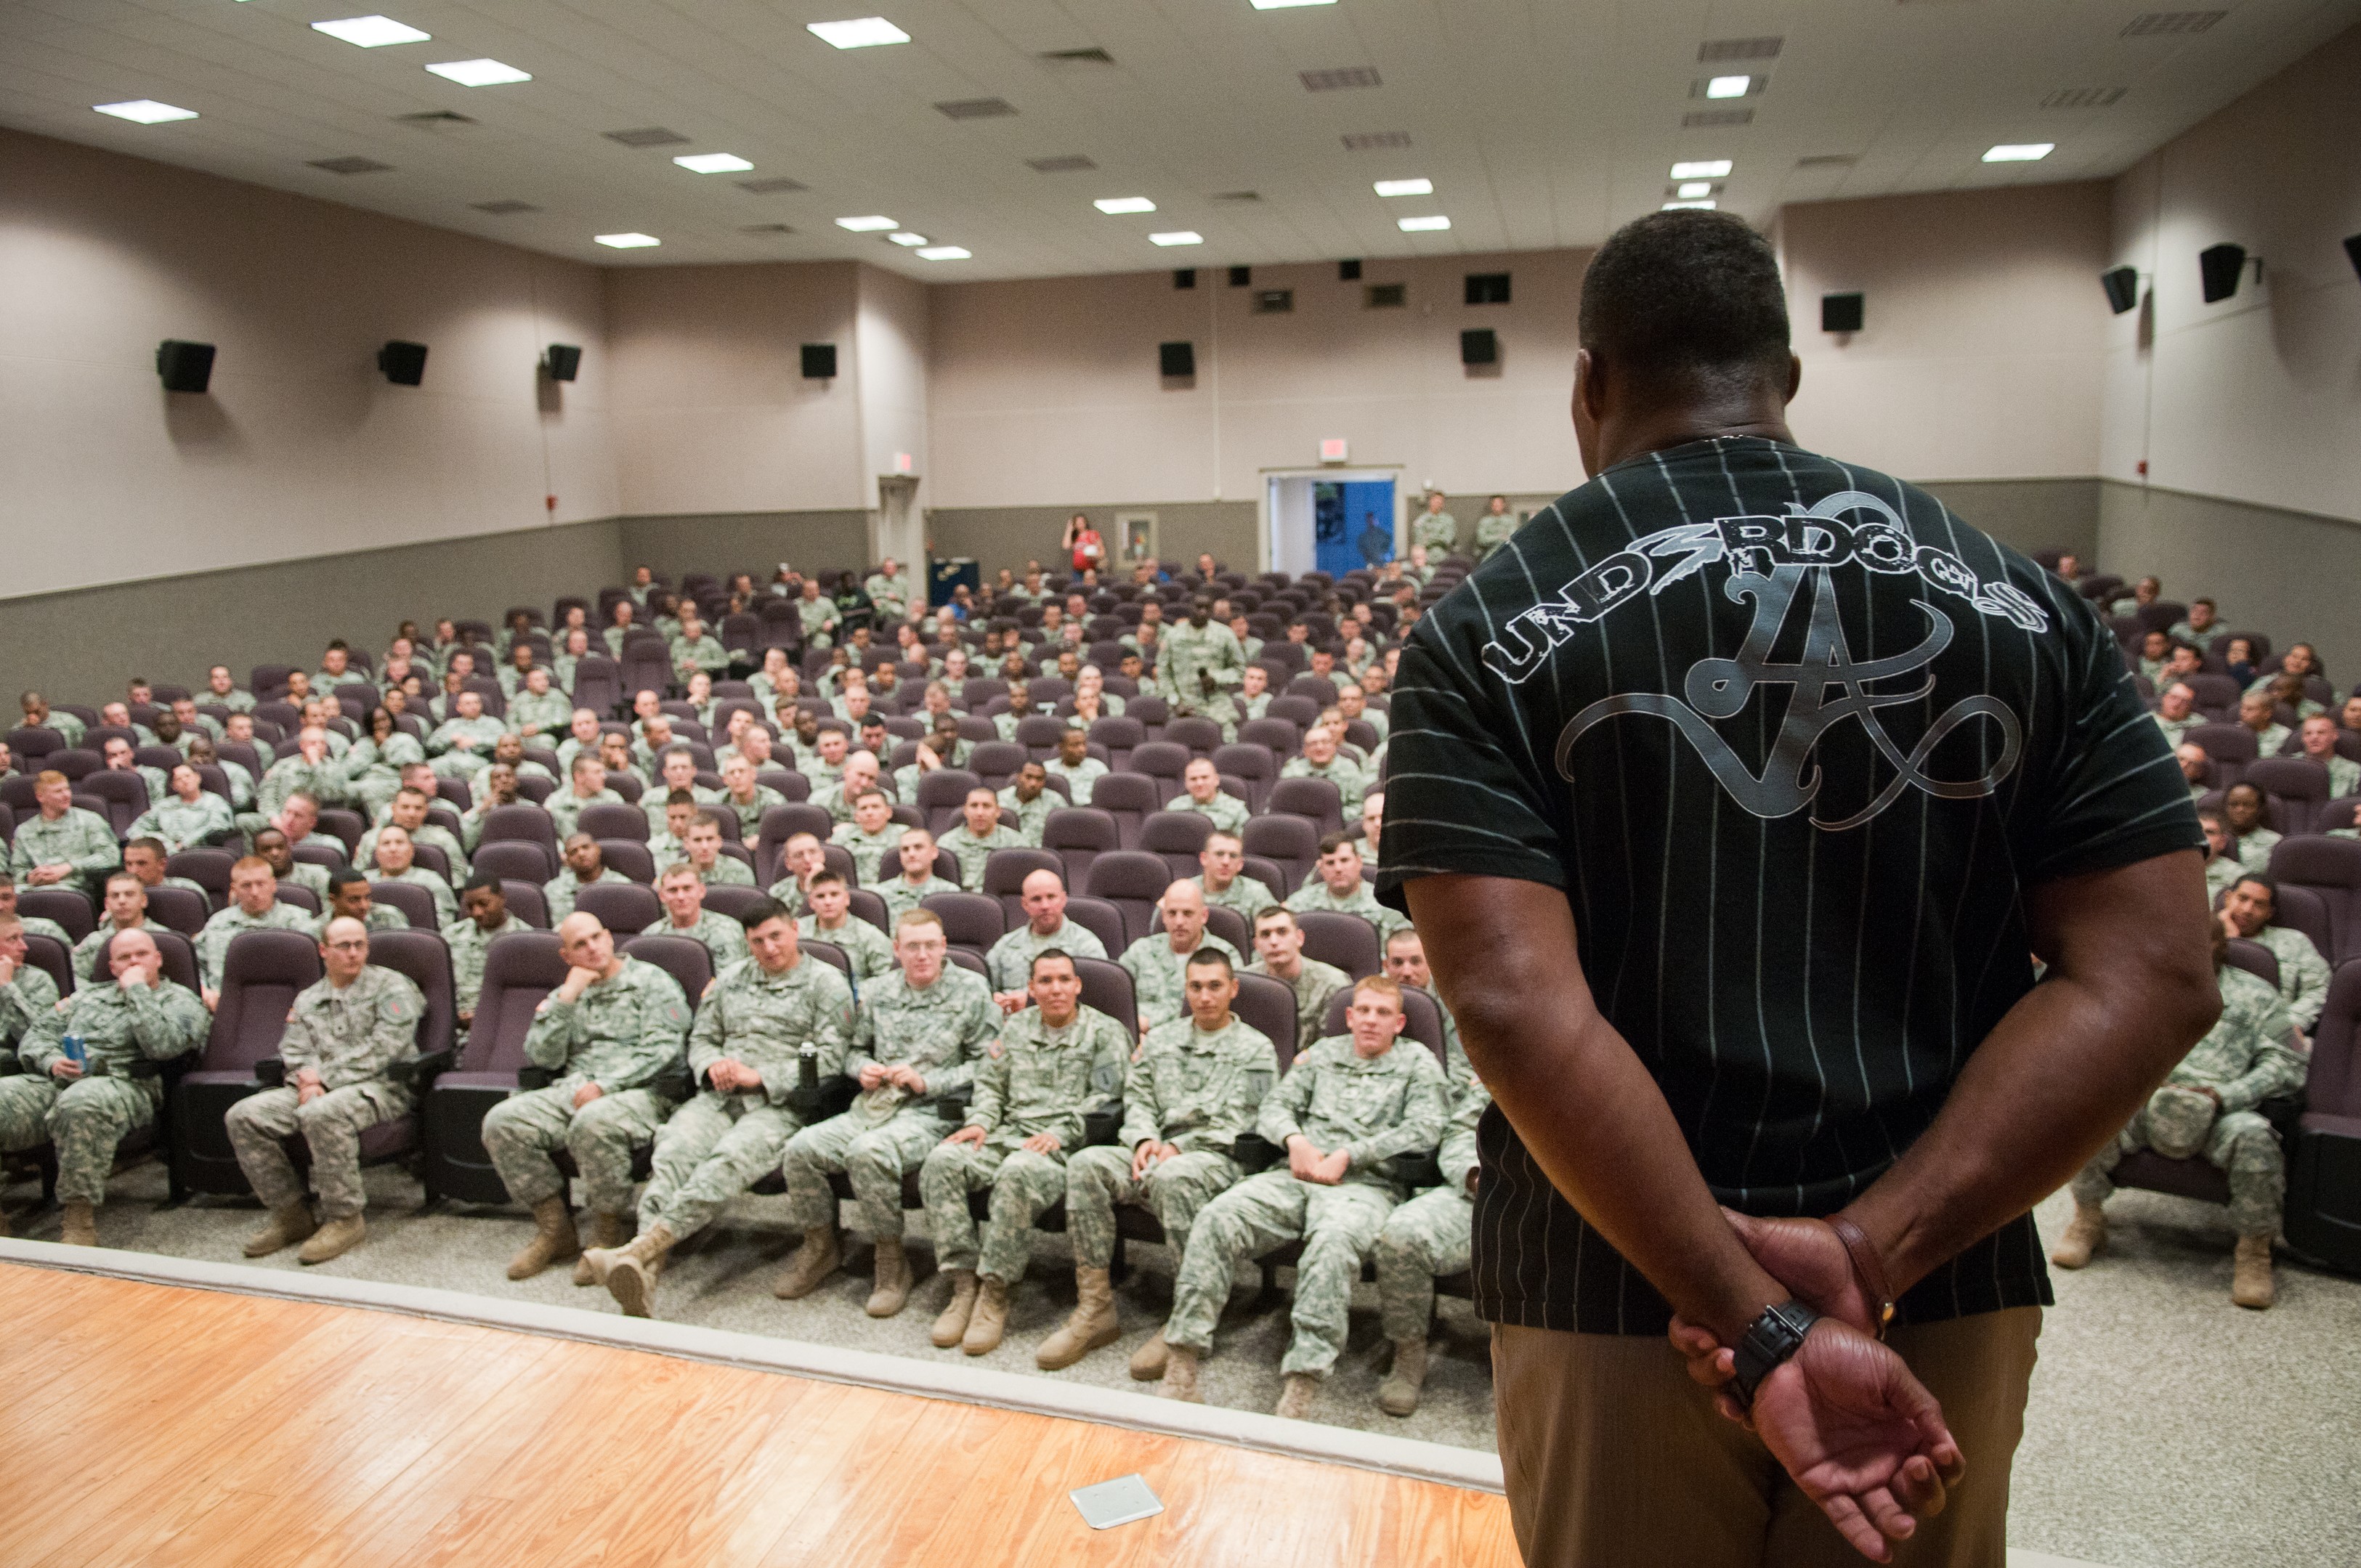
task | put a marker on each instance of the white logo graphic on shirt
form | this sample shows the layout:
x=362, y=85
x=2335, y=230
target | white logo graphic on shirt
x=1770, y=561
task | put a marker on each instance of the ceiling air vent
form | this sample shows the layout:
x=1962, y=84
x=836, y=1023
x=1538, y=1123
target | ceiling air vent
x=1708, y=119
x=976, y=108
x=504, y=207
x=2085, y=98
x=766, y=228
x=1068, y=163
x=351, y=165
x=647, y=136
x=1740, y=49
x=1077, y=59
x=1828, y=161
x=1341, y=77
x=2166, y=23
x=1236, y=196
x=1376, y=141
x=437, y=120
x=776, y=185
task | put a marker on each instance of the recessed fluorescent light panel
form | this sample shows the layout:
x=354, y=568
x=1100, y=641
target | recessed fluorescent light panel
x=944, y=253
x=871, y=224
x=1705, y=168
x=1678, y=206
x=1126, y=204
x=2020, y=152
x=1728, y=86
x=627, y=241
x=1423, y=226
x=145, y=112
x=1405, y=187
x=713, y=163
x=862, y=32
x=480, y=73
x=1690, y=190
x=906, y=238
x=371, y=32
x=1286, y=5
x=1178, y=237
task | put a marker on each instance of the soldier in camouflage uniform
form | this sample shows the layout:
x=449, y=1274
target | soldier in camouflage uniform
x=1434, y=529
x=125, y=910
x=470, y=937
x=1075, y=764
x=310, y=771
x=1321, y=760
x=33, y=925
x=2207, y=1107
x=586, y=865
x=871, y=837
x=585, y=786
x=831, y=919
x=1494, y=526
x=1348, y=1104
x=745, y=1057
x=980, y=832
x=1010, y=962
x=917, y=882
x=1337, y=886
x=537, y=711
x=348, y=899
x=702, y=851
x=2246, y=911
x=253, y=906
x=1406, y=964
x=1201, y=783
x=343, y=1039
x=1279, y=953
x=1431, y=1235
x=683, y=895
x=1053, y=1065
x=461, y=746
x=1194, y=1091
x=608, y=1033
x=407, y=811
x=84, y=1108
x=28, y=994
x=1222, y=882
x=1198, y=664
x=800, y=859
x=917, y=1037
x=395, y=861
x=1026, y=801
x=1154, y=962
x=189, y=815
x=64, y=846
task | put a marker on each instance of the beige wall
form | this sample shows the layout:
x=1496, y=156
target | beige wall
x=302, y=449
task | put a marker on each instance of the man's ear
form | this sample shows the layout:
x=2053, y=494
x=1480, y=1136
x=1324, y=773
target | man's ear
x=1795, y=377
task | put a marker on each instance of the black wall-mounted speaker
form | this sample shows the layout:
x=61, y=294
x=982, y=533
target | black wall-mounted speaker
x=2218, y=267
x=1177, y=358
x=819, y=361
x=1348, y=272
x=565, y=359
x=1241, y=277
x=2353, y=250
x=1841, y=313
x=1479, y=345
x=404, y=364
x=185, y=367
x=2122, y=284
x=1184, y=277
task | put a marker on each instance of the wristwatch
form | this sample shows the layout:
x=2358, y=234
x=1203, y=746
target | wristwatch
x=1770, y=1339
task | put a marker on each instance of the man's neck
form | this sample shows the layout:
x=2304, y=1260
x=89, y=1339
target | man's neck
x=1066, y=1022
x=1758, y=413
x=681, y=925
x=1052, y=928
x=1286, y=965
x=1213, y=1028
x=1174, y=938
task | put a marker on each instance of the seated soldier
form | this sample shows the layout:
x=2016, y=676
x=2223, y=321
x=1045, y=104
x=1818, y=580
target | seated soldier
x=1348, y=1104
x=271, y=848
x=1373, y=821
x=586, y=865
x=1431, y=1235
x=2195, y=767
x=1254, y=687
x=407, y=811
x=915, y=851
x=682, y=891
x=222, y=689
x=676, y=773
x=343, y=1037
x=63, y=845
x=830, y=919
x=979, y=833
x=1010, y=962
x=38, y=716
x=126, y=909
x=2201, y=629
x=395, y=861
x=536, y=709
x=2246, y=911
x=800, y=859
x=2317, y=736
x=254, y=906
x=608, y=1034
x=702, y=853
x=2175, y=712
x=1195, y=1087
x=2207, y=1106
x=1222, y=880
x=1155, y=961
x=2156, y=651
x=1320, y=760
x=27, y=993
x=2256, y=712
x=745, y=1053
x=1336, y=885
x=824, y=761
x=485, y=917
x=917, y=1036
x=1075, y=764
x=1202, y=784
x=2222, y=867
x=669, y=842
x=310, y=772
x=1052, y=1065
x=2250, y=842
x=741, y=795
x=89, y=1073
x=1279, y=953
x=859, y=776
x=189, y=817
x=582, y=735
x=461, y=746
x=1025, y=803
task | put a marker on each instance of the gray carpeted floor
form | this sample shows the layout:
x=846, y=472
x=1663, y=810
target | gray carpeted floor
x=2168, y=1428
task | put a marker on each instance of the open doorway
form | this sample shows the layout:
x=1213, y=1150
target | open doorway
x=1330, y=520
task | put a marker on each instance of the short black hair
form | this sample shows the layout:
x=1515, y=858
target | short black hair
x=1208, y=957
x=344, y=876
x=763, y=909
x=483, y=881
x=2262, y=880
x=1685, y=296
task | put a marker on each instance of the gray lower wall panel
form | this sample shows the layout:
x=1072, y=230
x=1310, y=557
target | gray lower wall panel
x=2027, y=515
x=744, y=541
x=1010, y=536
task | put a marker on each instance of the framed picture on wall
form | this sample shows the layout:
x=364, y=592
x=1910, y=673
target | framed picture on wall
x=1135, y=532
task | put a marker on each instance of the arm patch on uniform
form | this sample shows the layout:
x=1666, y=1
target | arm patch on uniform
x=1104, y=1078
x=675, y=1013
x=398, y=1008
x=1260, y=1081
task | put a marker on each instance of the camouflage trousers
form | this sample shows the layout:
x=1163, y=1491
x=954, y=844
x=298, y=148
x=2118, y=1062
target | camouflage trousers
x=1174, y=1191
x=84, y=1120
x=1217, y=708
x=872, y=1155
x=2239, y=1145
x=259, y=1125
x=1430, y=1234
x=522, y=1132
x=1338, y=1226
x=1023, y=1184
x=713, y=1149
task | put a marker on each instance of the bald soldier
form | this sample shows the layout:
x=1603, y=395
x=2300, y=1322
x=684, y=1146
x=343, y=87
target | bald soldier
x=90, y=1072
x=1009, y=964
x=1154, y=962
x=343, y=1039
x=606, y=1035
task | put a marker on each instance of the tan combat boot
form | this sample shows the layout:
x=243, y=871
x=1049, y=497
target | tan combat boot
x=554, y=1240
x=1398, y=1395
x=892, y=1291
x=2252, y=1284
x=608, y=1232
x=289, y=1223
x=1094, y=1323
x=1149, y=1362
x=991, y=1319
x=335, y=1239
x=81, y=1225
x=1180, y=1373
x=1296, y=1392
x=2083, y=1239
x=631, y=1273
x=951, y=1326
x=818, y=1257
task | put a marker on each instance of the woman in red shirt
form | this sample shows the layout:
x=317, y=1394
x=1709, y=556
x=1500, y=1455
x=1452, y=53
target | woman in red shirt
x=1088, y=549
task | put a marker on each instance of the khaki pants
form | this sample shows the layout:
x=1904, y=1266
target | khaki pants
x=1612, y=1456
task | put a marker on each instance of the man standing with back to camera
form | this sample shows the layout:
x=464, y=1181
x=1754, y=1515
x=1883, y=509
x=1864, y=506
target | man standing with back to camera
x=1729, y=795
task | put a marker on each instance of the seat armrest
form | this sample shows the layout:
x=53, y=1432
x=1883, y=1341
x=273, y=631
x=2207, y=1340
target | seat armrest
x=1415, y=1169
x=420, y=1072
x=1103, y=1126
x=271, y=1072
x=676, y=1082
x=530, y=1077
x=1256, y=1152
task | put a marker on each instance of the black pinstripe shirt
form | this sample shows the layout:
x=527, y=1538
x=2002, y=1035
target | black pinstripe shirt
x=1793, y=739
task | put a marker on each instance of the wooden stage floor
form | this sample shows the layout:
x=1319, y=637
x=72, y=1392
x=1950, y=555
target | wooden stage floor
x=160, y=1425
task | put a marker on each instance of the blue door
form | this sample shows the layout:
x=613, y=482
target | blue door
x=1352, y=524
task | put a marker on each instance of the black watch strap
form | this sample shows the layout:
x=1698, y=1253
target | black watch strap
x=1769, y=1339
